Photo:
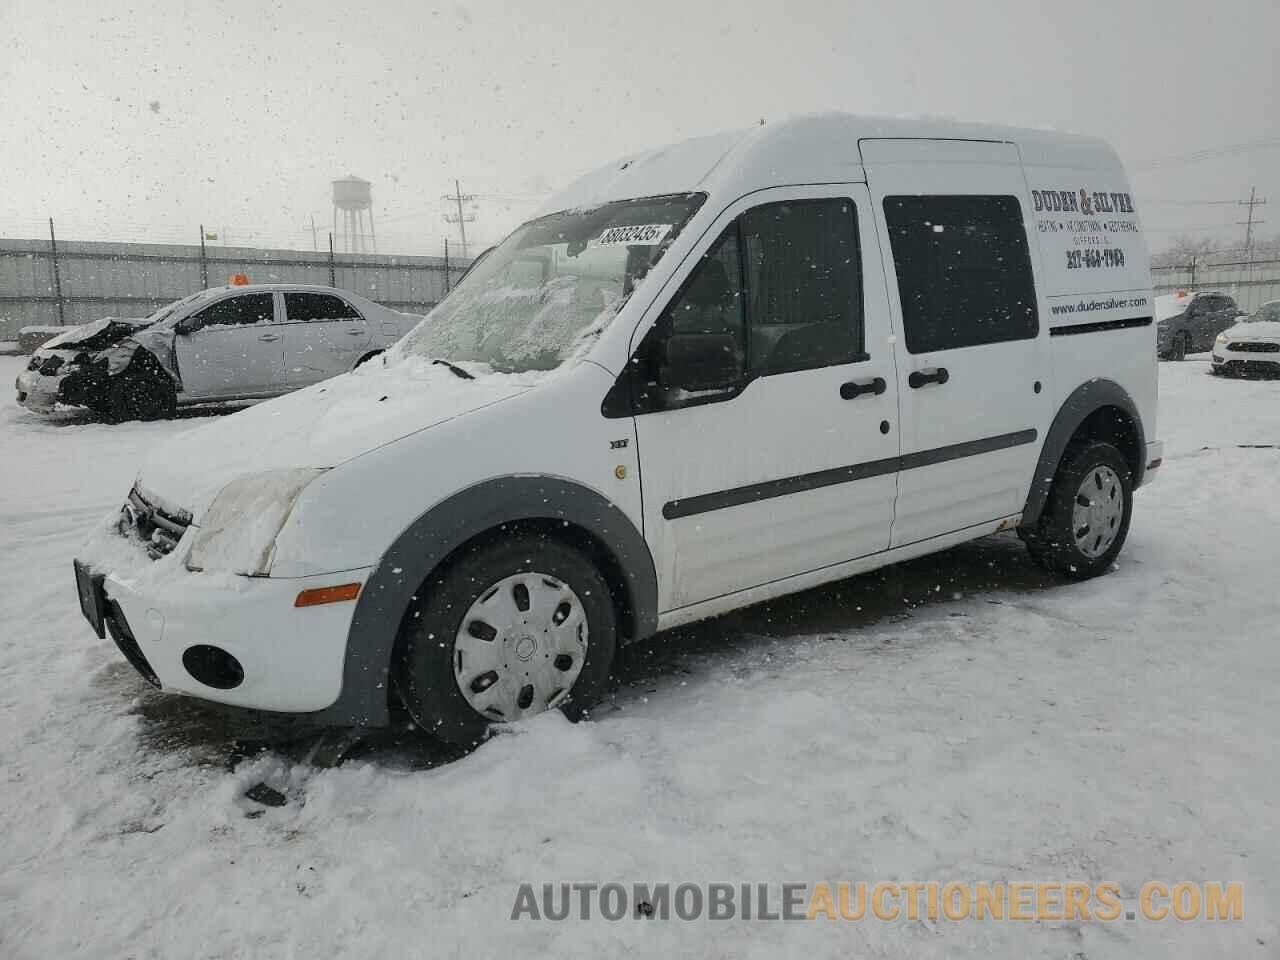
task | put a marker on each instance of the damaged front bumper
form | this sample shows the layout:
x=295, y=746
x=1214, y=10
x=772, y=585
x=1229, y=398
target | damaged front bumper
x=74, y=385
x=38, y=392
x=223, y=637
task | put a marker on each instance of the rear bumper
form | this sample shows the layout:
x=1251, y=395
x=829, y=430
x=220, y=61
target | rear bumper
x=1155, y=458
x=232, y=639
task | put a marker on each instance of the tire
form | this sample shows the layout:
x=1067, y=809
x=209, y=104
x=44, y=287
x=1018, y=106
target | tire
x=1180, y=347
x=459, y=673
x=142, y=391
x=1097, y=472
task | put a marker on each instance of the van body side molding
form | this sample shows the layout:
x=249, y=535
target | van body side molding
x=737, y=496
x=439, y=531
x=1128, y=323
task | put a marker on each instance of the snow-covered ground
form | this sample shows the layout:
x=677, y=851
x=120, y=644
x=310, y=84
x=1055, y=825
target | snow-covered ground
x=962, y=717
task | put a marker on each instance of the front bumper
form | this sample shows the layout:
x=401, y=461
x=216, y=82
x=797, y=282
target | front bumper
x=287, y=659
x=1250, y=361
x=38, y=392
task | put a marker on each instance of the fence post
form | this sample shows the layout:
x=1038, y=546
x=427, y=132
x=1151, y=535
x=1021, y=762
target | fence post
x=332, y=279
x=57, y=278
x=204, y=263
x=1193, y=273
x=446, y=264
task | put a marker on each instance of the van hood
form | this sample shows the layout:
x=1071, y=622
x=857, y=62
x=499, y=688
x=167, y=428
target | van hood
x=318, y=427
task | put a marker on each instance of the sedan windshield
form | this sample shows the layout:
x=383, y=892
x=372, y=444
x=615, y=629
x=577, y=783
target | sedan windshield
x=538, y=297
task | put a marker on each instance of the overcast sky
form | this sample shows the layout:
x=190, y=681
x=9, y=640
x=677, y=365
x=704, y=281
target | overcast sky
x=140, y=120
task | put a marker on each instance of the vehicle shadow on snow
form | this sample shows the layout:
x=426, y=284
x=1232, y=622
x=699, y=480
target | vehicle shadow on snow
x=889, y=595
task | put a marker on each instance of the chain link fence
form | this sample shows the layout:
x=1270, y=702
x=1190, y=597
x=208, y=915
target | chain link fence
x=1249, y=283
x=43, y=283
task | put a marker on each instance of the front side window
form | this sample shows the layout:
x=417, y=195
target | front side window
x=318, y=306
x=547, y=291
x=804, y=283
x=778, y=292
x=964, y=270
x=244, y=310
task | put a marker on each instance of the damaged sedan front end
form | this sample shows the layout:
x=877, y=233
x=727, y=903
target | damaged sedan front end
x=100, y=366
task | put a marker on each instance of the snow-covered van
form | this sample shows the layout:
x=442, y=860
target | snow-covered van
x=710, y=374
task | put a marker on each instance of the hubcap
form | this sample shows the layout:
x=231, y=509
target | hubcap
x=1098, y=511
x=520, y=647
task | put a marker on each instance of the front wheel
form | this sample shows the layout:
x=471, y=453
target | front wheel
x=507, y=631
x=1086, y=519
x=1181, y=346
x=142, y=391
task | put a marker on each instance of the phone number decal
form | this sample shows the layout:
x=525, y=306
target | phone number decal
x=1092, y=259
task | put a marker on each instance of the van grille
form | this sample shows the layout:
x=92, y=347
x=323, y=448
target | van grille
x=158, y=529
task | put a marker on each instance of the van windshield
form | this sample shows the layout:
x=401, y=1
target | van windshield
x=539, y=297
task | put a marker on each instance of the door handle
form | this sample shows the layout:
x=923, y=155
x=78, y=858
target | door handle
x=356, y=333
x=921, y=378
x=853, y=389
x=269, y=337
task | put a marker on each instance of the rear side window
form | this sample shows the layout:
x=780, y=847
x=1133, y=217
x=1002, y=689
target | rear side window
x=249, y=308
x=964, y=270
x=318, y=306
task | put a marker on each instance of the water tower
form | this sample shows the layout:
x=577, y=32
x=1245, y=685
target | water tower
x=353, y=198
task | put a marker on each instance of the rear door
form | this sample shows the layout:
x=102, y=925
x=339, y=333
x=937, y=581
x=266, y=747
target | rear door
x=232, y=348
x=324, y=336
x=774, y=453
x=971, y=360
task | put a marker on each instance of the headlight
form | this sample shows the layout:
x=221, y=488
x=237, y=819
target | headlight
x=1223, y=338
x=238, y=532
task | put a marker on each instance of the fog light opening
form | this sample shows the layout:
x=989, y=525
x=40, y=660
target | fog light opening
x=213, y=667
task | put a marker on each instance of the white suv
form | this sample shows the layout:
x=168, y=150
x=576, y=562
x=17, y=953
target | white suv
x=715, y=373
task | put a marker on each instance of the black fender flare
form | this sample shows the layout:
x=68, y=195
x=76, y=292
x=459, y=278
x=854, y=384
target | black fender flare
x=443, y=528
x=1083, y=401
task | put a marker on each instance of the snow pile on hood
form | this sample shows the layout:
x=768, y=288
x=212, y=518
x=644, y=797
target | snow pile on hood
x=321, y=426
x=1255, y=330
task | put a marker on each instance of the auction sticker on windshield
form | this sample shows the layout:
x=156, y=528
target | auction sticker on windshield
x=640, y=235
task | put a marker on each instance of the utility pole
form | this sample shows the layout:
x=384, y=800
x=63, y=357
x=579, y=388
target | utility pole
x=57, y=277
x=204, y=263
x=462, y=219
x=1249, y=224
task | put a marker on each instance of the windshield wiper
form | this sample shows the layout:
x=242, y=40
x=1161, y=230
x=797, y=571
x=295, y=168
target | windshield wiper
x=455, y=369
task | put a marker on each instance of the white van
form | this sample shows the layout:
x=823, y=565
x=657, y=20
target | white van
x=711, y=374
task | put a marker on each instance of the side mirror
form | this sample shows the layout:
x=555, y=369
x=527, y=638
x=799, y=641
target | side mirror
x=186, y=326
x=701, y=361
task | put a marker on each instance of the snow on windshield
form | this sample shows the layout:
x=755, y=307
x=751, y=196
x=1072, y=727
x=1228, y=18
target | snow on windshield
x=541, y=296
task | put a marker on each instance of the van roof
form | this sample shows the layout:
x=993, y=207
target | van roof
x=815, y=148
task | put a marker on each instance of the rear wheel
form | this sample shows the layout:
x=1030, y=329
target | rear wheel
x=1086, y=519
x=507, y=631
x=1180, y=347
